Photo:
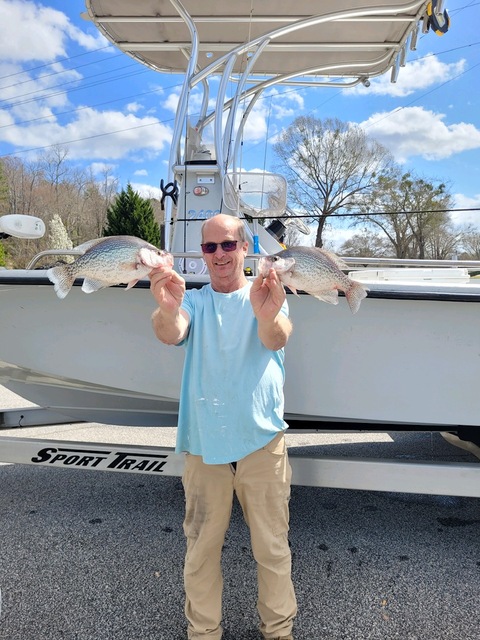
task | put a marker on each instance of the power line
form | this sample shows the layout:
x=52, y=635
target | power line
x=92, y=106
x=63, y=84
x=376, y=213
x=45, y=96
x=49, y=64
x=55, y=73
x=98, y=135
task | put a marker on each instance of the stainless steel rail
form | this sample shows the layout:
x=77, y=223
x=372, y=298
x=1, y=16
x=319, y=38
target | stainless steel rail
x=472, y=265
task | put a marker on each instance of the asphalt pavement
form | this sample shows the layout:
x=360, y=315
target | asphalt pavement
x=98, y=556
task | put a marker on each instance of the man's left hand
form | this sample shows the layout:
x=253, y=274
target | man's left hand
x=267, y=296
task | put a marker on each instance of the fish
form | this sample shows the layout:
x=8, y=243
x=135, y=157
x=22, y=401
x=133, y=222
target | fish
x=109, y=261
x=317, y=272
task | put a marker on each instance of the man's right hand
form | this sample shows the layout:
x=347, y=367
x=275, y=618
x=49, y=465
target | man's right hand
x=168, y=288
x=170, y=322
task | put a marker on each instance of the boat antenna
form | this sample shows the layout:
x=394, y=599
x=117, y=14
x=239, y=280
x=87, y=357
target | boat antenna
x=256, y=239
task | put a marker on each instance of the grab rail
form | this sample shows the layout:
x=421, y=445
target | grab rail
x=359, y=263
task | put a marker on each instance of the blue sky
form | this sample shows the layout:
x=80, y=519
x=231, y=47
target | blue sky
x=62, y=84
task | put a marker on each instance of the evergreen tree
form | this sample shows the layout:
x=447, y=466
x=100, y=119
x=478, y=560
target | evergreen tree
x=132, y=215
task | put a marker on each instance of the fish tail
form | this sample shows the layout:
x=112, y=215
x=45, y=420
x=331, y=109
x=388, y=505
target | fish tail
x=355, y=294
x=62, y=278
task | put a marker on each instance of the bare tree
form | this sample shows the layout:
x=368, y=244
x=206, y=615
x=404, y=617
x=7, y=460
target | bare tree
x=328, y=165
x=470, y=244
x=23, y=179
x=53, y=186
x=366, y=245
x=411, y=212
x=101, y=193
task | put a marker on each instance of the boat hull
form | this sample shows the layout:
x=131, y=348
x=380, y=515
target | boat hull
x=408, y=357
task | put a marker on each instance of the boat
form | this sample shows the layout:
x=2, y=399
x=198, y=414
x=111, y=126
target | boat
x=406, y=360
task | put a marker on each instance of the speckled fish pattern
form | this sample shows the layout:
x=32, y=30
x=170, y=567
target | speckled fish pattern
x=107, y=262
x=315, y=271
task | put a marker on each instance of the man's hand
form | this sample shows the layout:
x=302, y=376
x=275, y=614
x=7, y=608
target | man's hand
x=267, y=296
x=170, y=322
x=167, y=287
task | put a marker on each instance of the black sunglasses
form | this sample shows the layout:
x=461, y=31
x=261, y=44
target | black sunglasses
x=227, y=245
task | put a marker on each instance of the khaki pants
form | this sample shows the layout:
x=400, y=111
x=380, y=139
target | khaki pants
x=262, y=484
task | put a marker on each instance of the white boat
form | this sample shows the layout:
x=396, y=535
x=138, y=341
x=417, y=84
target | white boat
x=407, y=360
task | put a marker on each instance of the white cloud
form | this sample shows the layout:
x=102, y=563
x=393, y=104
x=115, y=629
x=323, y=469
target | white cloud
x=85, y=136
x=146, y=190
x=133, y=107
x=286, y=104
x=31, y=31
x=140, y=172
x=415, y=76
x=171, y=102
x=101, y=167
x=334, y=237
x=26, y=95
x=462, y=218
x=415, y=131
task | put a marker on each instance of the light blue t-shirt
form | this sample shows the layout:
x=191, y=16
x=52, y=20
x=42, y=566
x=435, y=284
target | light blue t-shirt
x=231, y=402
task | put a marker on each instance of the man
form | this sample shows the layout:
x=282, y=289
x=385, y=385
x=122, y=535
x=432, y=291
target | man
x=231, y=424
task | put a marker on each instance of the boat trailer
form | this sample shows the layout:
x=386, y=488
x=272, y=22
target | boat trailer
x=365, y=474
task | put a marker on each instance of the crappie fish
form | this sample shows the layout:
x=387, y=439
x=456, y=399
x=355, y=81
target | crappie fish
x=315, y=271
x=109, y=261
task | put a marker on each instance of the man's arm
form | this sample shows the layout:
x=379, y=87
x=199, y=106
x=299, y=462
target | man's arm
x=170, y=322
x=267, y=296
x=274, y=335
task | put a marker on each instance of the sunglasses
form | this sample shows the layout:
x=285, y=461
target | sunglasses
x=227, y=245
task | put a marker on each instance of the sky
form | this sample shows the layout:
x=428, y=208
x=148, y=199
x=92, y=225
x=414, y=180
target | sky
x=62, y=83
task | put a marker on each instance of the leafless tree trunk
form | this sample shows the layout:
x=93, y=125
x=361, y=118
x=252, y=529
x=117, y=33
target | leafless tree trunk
x=328, y=165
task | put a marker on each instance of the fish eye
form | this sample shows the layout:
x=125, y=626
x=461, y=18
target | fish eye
x=274, y=258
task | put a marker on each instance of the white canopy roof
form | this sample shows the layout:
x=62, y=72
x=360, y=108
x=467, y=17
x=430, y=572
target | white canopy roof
x=340, y=39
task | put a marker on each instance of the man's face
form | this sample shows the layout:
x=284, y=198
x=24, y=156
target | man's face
x=224, y=266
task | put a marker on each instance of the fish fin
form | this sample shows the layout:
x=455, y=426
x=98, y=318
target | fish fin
x=337, y=261
x=89, y=244
x=62, y=278
x=131, y=284
x=90, y=285
x=292, y=289
x=355, y=294
x=327, y=296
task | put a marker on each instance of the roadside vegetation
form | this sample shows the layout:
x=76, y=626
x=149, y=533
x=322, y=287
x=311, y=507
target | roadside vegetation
x=336, y=176
x=75, y=206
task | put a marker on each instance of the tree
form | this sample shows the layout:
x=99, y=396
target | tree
x=366, y=245
x=132, y=215
x=412, y=214
x=58, y=237
x=328, y=165
x=51, y=185
x=3, y=255
x=470, y=242
x=4, y=196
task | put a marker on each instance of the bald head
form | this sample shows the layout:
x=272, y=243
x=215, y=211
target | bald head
x=226, y=223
